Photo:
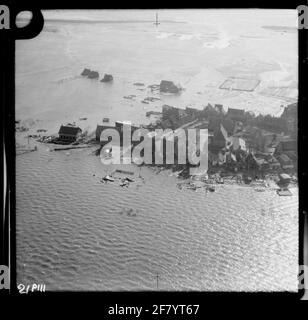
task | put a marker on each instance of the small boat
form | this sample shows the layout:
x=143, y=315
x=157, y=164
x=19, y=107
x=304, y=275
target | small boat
x=108, y=178
x=211, y=188
x=284, y=192
x=124, y=184
x=128, y=179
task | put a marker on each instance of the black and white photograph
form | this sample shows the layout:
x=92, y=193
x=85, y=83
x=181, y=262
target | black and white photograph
x=157, y=150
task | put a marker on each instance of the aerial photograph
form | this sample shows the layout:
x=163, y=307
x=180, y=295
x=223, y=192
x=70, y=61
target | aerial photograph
x=108, y=199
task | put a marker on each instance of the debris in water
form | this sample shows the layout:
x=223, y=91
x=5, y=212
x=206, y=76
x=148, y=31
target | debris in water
x=284, y=192
x=107, y=178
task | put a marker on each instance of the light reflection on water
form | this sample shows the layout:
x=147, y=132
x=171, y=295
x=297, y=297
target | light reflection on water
x=73, y=232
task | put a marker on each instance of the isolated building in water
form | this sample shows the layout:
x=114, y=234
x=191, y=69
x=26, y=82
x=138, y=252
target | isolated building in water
x=69, y=133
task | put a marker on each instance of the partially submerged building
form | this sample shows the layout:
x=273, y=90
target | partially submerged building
x=90, y=74
x=168, y=87
x=100, y=128
x=107, y=78
x=85, y=72
x=287, y=145
x=290, y=115
x=236, y=114
x=69, y=133
x=220, y=140
x=237, y=143
x=118, y=126
x=93, y=75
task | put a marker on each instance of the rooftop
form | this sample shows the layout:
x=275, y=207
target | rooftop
x=69, y=129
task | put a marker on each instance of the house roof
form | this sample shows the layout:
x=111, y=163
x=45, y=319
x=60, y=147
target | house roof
x=292, y=155
x=288, y=145
x=69, y=130
x=191, y=109
x=219, y=107
x=290, y=111
x=260, y=161
x=224, y=132
x=284, y=158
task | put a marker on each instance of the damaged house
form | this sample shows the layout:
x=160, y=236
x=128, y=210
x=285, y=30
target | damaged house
x=69, y=133
x=236, y=114
x=168, y=87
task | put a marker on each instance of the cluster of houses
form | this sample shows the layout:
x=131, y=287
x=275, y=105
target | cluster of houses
x=238, y=140
x=235, y=142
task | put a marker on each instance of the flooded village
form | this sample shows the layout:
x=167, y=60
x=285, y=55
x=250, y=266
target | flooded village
x=243, y=148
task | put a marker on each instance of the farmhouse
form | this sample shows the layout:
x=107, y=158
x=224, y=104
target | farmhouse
x=69, y=133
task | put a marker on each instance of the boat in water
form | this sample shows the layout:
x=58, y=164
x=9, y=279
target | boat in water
x=210, y=188
x=107, y=178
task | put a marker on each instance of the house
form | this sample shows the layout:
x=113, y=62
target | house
x=230, y=158
x=262, y=164
x=119, y=125
x=107, y=78
x=69, y=133
x=182, y=113
x=270, y=148
x=284, y=181
x=85, y=72
x=290, y=115
x=287, y=145
x=285, y=162
x=168, y=86
x=191, y=111
x=166, y=108
x=154, y=113
x=216, y=121
x=222, y=157
x=273, y=163
x=237, y=143
x=238, y=127
x=229, y=125
x=236, y=114
x=210, y=109
x=93, y=75
x=219, y=108
x=171, y=117
x=255, y=163
x=220, y=139
x=154, y=117
x=290, y=111
x=258, y=139
x=292, y=155
x=99, y=130
x=213, y=159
